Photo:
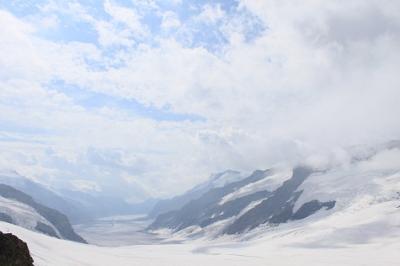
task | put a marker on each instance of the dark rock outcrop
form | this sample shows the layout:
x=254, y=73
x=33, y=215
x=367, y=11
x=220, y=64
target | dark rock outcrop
x=14, y=251
x=312, y=207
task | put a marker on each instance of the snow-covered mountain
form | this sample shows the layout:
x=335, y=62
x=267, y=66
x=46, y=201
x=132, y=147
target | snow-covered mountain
x=276, y=196
x=175, y=203
x=79, y=206
x=264, y=196
x=95, y=205
x=44, y=195
x=344, y=214
x=15, y=212
x=365, y=234
x=18, y=208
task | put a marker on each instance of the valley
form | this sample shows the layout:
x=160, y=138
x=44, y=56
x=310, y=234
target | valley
x=123, y=230
x=339, y=239
x=345, y=215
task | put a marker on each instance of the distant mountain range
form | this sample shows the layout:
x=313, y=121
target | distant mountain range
x=228, y=203
x=18, y=208
x=44, y=195
x=175, y=203
x=77, y=205
x=247, y=203
x=275, y=196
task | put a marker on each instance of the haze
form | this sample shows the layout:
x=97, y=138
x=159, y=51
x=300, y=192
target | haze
x=145, y=99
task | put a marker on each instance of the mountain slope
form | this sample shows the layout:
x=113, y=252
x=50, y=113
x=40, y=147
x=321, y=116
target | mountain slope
x=23, y=210
x=78, y=206
x=278, y=197
x=362, y=235
x=206, y=209
x=175, y=203
x=361, y=229
x=278, y=207
x=15, y=212
x=43, y=195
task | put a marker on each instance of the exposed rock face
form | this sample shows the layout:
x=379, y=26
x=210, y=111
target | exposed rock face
x=206, y=209
x=43, y=195
x=312, y=207
x=175, y=203
x=45, y=229
x=14, y=251
x=273, y=207
x=6, y=218
x=59, y=220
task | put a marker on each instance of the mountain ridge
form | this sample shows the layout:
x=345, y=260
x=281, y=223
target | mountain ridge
x=56, y=218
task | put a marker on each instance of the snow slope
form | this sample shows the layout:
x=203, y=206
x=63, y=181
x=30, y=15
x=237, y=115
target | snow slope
x=359, y=182
x=215, y=181
x=357, y=236
x=269, y=183
x=363, y=231
x=43, y=194
x=23, y=214
x=20, y=208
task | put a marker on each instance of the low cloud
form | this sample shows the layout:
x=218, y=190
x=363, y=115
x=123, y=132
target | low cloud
x=316, y=78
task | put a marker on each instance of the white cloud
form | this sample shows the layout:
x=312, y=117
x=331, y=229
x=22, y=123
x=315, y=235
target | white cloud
x=170, y=20
x=319, y=78
x=388, y=160
x=126, y=16
x=211, y=14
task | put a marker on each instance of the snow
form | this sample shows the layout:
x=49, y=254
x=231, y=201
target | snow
x=363, y=234
x=226, y=178
x=375, y=179
x=220, y=180
x=118, y=231
x=362, y=229
x=269, y=183
x=9, y=173
x=23, y=214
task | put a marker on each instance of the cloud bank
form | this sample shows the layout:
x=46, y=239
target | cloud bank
x=147, y=99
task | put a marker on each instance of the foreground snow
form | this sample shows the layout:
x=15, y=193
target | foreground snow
x=363, y=235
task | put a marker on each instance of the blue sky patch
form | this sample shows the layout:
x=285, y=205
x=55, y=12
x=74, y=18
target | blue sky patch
x=92, y=100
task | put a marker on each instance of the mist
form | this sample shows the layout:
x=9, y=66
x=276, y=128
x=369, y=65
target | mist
x=122, y=103
x=208, y=132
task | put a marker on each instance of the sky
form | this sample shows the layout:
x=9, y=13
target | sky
x=147, y=98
